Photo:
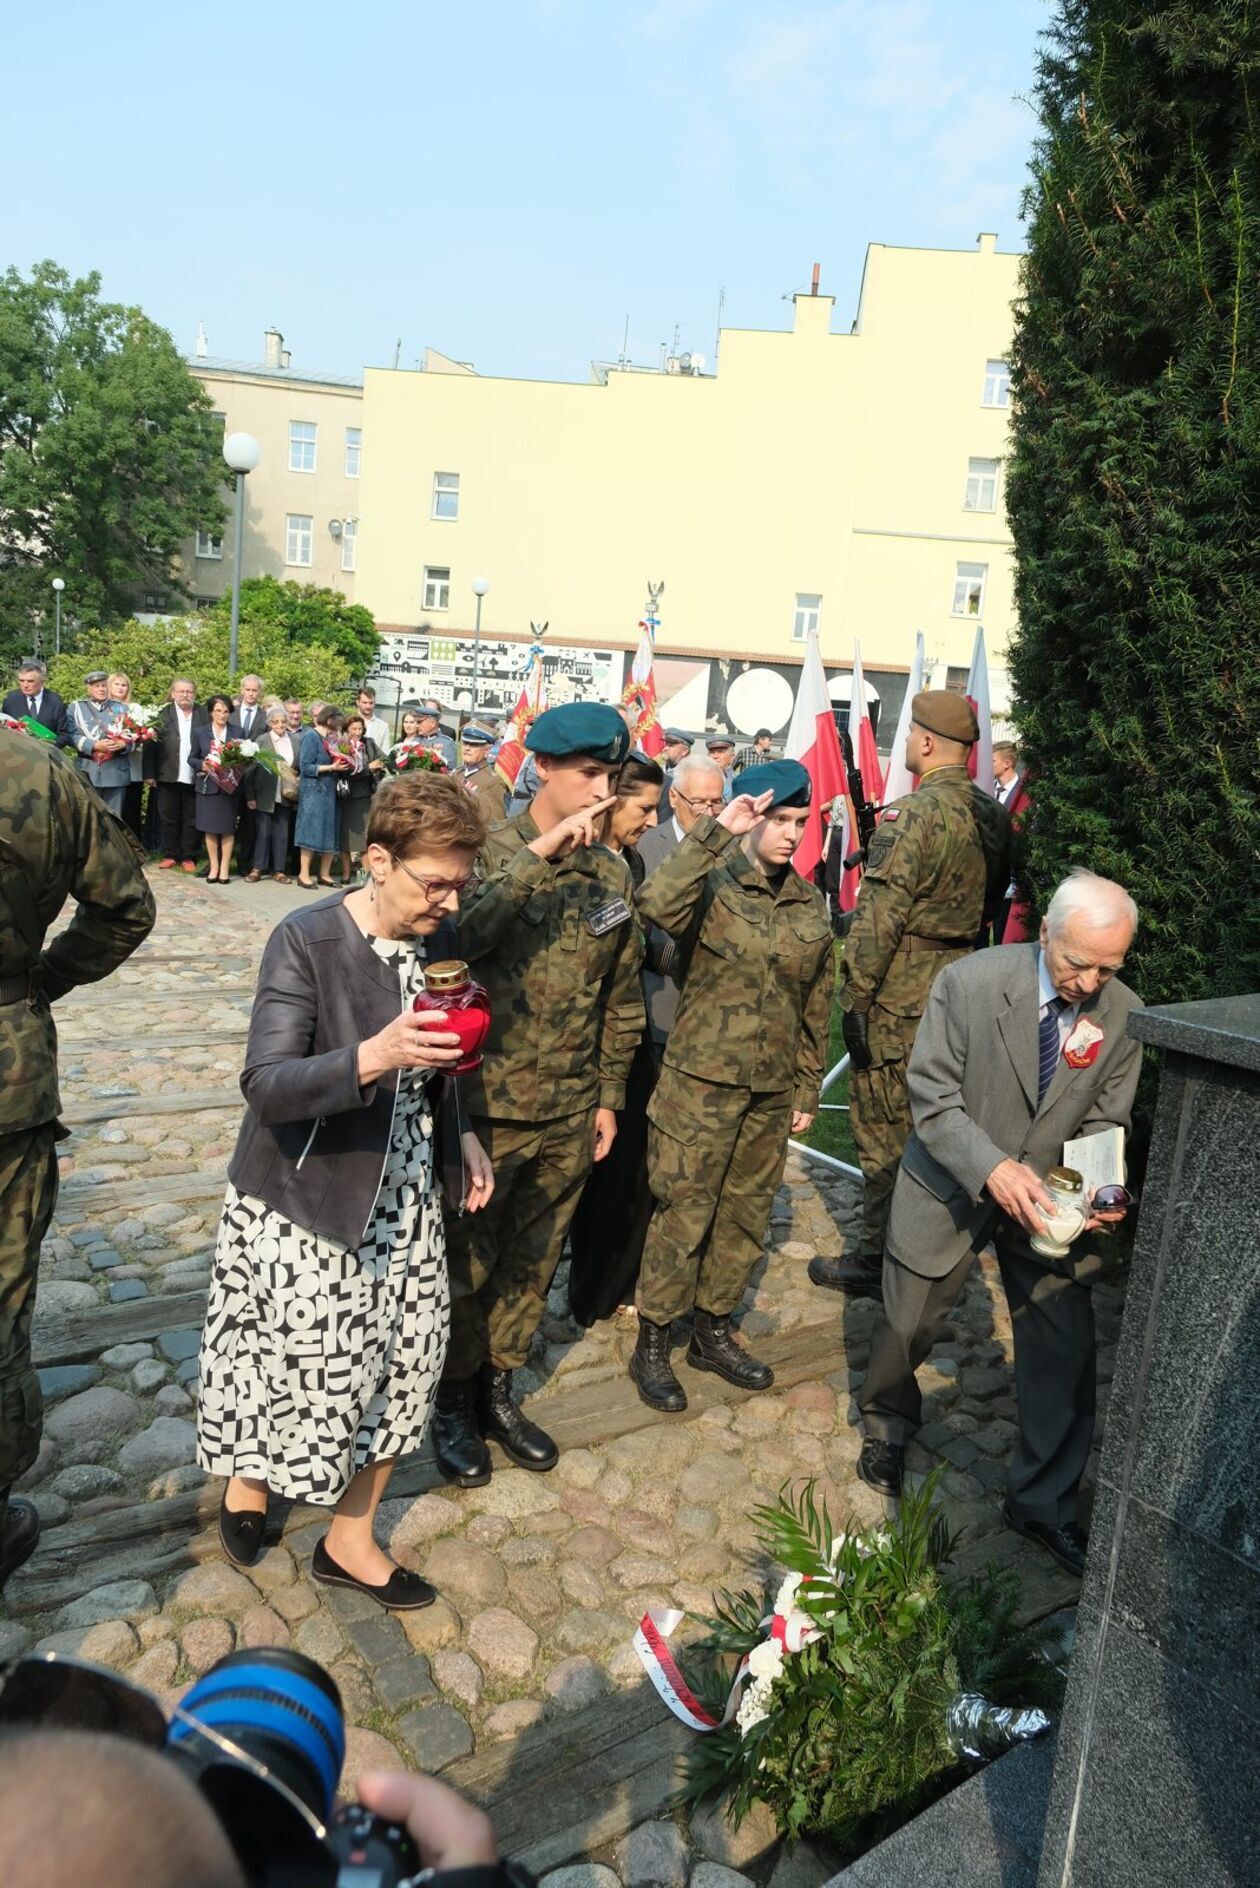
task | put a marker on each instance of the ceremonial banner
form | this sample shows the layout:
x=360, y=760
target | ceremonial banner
x=640, y=690
x=980, y=765
x=812, y=739
x=530, y=704
x=900, y=780
x=866, y=759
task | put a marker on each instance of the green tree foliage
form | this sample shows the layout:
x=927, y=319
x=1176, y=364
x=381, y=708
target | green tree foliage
x=308, y=617
x=153, y=654
x=108, y=457
x=1134, y=486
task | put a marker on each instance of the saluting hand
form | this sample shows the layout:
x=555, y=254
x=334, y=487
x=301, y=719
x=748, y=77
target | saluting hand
x=578, y=830
x=742, y=813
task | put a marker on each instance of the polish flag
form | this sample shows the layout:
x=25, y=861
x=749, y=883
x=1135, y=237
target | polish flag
x=980, y=763
x=866, y=758
x=530, y=704
x=812, y=739
x=900, y=780
x=640, y=694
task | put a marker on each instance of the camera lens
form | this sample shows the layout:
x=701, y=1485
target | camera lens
x=280, y=1709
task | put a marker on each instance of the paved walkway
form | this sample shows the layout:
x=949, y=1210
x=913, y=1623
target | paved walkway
x=542, y=1577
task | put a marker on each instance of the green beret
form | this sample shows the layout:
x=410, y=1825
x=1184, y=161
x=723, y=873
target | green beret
x=945, y=712
x=580, y=727
x=787, y=780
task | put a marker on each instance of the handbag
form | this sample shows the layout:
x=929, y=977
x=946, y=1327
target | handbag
x=288, y=784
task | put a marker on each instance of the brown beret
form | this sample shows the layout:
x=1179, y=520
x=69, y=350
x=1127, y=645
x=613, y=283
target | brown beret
x=943, y=711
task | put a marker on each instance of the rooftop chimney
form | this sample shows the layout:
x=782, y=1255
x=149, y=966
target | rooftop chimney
x=273, y=348
x=813, y=286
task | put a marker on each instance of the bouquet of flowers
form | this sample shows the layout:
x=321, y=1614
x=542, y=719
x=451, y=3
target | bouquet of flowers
x=133, y=723
x=341, y=747
x=409, y=757
x=868, y=1682
x=27, y=724
x=231, y=760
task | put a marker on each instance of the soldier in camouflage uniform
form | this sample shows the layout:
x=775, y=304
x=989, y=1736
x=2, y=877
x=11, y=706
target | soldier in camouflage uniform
x=938, y=864
x=57, y=841
x=486, y=786
x=741, y=1069
x=549, y=928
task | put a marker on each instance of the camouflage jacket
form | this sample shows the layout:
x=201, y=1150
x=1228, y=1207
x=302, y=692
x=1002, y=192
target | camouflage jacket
x=939, y=861
x=567, y=1004
x=754, y=962
x=488, y=790
x=57, y=841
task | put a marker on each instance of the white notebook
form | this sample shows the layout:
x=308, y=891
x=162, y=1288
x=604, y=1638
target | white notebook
x=1098, y=1158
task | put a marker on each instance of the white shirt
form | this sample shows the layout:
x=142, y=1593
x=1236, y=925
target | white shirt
x=37, y=702
x=255, y=726
x=377, y=729
x=184, y=720
x=1046, y=994
x=1005, y=790
x=679, y=834
x=283, y=744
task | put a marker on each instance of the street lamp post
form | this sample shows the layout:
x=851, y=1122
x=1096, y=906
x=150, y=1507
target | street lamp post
x=479, y=586
x=58, y=584
x=242, y=453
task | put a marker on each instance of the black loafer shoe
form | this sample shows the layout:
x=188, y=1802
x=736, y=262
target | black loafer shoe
x=403, y=1592
x=19, y=1532
x=847, y=1275
x=881, y=1465
x=241, y=1534
x=1067, y=1544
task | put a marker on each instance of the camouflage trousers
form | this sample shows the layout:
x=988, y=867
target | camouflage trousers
x=715, y=1159
x=879, y=1115
x=28, y=1193
x=502, y=1260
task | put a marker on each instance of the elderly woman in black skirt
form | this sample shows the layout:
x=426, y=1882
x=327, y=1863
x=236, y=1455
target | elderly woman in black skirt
x=329, y=1304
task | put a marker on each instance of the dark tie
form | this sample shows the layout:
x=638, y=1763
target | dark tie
x=1048, y=1045
x=30, y=705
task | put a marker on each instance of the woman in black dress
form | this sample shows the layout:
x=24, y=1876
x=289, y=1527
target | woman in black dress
x=611, y=1221
x=217, y=804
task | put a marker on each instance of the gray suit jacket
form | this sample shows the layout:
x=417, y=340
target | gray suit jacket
x=659, y=989
x=973, y=1095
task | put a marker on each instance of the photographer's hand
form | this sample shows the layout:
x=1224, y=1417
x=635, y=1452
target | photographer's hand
x=448, y=1832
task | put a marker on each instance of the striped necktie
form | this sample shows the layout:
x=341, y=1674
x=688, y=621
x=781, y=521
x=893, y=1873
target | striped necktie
x=1048, y=1045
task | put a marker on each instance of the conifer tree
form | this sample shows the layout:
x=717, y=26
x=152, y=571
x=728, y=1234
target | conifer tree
x=1134, y=483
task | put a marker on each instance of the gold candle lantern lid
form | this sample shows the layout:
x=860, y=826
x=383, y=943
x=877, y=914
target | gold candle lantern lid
x=1064, y=1180
x=449, y=975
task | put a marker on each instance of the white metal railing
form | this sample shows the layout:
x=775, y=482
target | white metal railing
x=831, y=1107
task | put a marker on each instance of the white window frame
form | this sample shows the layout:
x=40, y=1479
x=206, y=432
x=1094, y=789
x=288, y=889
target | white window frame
x=445, y=490
x=984, y=476
x=970, y=583
x=808, y=612
x=300, y=441
x=354, y=451
x=435, y=589
x=349, y=543
x=997, y=384
x=209, y=546
x=299, y=533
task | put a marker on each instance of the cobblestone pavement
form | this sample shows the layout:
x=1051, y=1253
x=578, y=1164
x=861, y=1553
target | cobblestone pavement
x=542, y=1578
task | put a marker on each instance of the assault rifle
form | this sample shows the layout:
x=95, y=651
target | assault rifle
x=864, y=813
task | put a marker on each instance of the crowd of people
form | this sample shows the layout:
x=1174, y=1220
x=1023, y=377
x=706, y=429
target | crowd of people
x=660, y=984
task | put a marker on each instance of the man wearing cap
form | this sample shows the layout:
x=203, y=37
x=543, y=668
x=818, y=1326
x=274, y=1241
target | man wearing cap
x=741, y=1071
x=937, y=865
x=548, y=927
x=722, y=751
x=677, y=748
x=485, y=785
x=107, y=755
x=432, y=735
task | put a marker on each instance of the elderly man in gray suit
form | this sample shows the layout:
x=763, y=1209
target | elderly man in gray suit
x=1020, y=1049
x=697, y=785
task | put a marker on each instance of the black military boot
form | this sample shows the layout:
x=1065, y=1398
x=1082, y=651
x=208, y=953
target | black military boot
x=651, y=1372
x=854, y=1276
x=19, y=1531
x=713, y=1348
x=461, y=1454
x=501, y=1421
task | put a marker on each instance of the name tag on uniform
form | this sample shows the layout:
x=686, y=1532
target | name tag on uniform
x=607, y=917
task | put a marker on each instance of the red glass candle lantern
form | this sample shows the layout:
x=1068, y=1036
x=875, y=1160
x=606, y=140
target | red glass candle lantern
x=450, y=988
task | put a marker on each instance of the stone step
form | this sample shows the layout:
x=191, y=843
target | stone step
x=94, y=996
x=99, y=1198
x=145, y=1045
x=84, y=1114
x=79, y=1340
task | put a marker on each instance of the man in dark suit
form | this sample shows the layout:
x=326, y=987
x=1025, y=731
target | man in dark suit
x=1010, y=789
x=695, y=787
x=1019, y=1051
x=177, y=803
x=249, y=721
x=34, y=699
x=678, y=744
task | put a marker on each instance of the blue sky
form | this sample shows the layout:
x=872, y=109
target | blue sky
x=506, y=182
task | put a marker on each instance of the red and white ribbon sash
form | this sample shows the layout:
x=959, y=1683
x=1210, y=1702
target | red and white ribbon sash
x=659, y=1624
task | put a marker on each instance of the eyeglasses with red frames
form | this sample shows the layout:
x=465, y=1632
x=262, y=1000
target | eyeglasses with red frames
x=434, y=888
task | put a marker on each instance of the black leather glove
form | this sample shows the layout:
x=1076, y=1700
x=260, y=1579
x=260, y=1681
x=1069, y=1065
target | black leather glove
x=853, y=1027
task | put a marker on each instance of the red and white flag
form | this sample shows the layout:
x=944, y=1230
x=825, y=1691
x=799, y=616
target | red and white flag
x=866, y=759
x=900, y=780
x=530, y=704
x=640, y=693
x=980, y=765
x=812, y=739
